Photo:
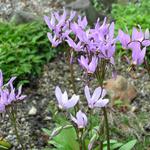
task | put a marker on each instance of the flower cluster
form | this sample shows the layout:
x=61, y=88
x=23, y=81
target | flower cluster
x=137, y=43
x=59, y=25
x=97, y=43
x=8, y=93
x=97, y=100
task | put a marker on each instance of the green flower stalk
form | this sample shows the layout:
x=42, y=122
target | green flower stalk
x=13, y=117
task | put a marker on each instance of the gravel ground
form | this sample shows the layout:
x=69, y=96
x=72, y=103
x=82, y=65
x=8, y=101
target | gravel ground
x=42, y=92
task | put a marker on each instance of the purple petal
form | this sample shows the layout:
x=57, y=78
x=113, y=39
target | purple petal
x=58, y=94
x=64, y=97
x=22, y=97
x=93, y=65
x=83, y=62
x=87, y=94
x=12, y=96
x=123, y=38
x=1, y=78
x=10, y=82
x=137, y=35
x=96, y=94
x=146, y=43
x=72, y=102
x=82, y=119
x=72, y=15
x=46, y=19
x=141, y=56
x=101, y=103
x=111, y=30
x=62, y=19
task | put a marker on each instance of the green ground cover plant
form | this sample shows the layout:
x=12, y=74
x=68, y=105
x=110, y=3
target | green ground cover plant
x=127, y=16
x=24, y=49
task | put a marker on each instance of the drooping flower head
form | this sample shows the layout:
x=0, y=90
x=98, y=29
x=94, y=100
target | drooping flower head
x=63, y=101
x=80, y=120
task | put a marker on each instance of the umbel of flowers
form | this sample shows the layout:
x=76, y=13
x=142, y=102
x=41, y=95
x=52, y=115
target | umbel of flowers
x=8, y=94
x=95, y=50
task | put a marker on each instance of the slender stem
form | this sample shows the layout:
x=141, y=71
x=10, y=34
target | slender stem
x=69, y=53
x=107, y=128
x=90, y=113
x=72, y=77
x=147, y=66
x=13, y=121
x=101, y=132
x=79, y=138
x=100, y=74
x=83, y=139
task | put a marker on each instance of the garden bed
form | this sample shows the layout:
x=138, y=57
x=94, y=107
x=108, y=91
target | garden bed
x=41, y=94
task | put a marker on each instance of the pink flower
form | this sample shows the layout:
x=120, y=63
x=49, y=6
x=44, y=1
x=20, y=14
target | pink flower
x=8, y=93
x=124, y=39
x=91, y=66
x=97, y=99
x=137, y=54
x=63, y=101
x=80, y=120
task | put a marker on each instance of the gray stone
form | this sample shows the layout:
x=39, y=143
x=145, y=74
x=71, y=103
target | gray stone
x=79, y=5
x=87, y=7
x=69, y=1
x=32, y=111
x=20, y=17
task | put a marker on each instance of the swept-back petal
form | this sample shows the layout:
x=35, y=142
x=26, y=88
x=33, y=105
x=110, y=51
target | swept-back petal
x=101, y=103
x=87, y=94
x=58, y=94
x=72, y=102
x=64, y=97
x=1, y=78
x=96, y=94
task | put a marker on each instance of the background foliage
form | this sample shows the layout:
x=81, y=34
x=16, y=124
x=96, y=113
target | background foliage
x=24, y=49
x=128, y=16
x=132, y=15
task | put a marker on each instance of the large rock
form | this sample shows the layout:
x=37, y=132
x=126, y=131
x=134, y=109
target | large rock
x=120, y=89
x=87, y=7
x=79, y=4
x=21, y=16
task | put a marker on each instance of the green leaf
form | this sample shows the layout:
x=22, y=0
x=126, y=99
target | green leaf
x=4, y=145
x=26, y=47
x=116, y=145
x=67, y=139
x=48, y=132
x=111, y=142
x=129, y=145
